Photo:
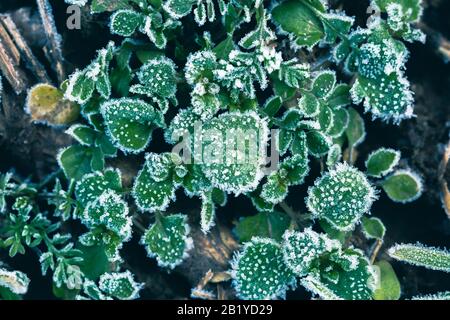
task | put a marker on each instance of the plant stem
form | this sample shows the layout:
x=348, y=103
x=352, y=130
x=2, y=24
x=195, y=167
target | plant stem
x=376, y=250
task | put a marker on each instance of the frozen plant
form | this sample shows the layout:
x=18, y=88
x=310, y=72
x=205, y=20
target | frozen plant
x=225, y=81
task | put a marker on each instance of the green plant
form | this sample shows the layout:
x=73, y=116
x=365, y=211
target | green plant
x=234, y=88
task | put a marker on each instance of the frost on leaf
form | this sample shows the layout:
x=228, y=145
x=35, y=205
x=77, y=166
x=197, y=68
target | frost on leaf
x=168, y=240
x=120, y=285
x=373, y=228
x=381, y=162
x=302, y=249
x=199, y=73
x=154, y=187
x=17, y=282
x=234, y=147
x=445, y=295
x=381, y=85
x=111, y=211
x=125, y=22
x=419, y=255
x=403, y=186
x=91, y=186
x=157, y=78
x=178, y=8
x=207, y=213
x=259, y=271
x=129, y=123
x=400, y=17
x=349, y=277
x=341, y=197
x=82, y=84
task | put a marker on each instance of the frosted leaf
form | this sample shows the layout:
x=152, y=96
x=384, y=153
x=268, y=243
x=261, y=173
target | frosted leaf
x=382, y=161
x=199, y=66
x=341, y=120
x=17, y=282
x=240, y=73
x=181, y=125
x=356, y=129
x=125, y=22
x=340, y=97
x=75, y=161
x=293, y=73
x=335, y=25
x=111, y=211
x=298, y=20
x=259, y=272
x=129, y=123
x=295, y=168
x=80, y=3
x=341, y=197
x=334, y=155
x=302, y=249
x=207, y=213
x=150, y=194
x=354, y=284
x=120, y=285
x=420, y=255
x=275, y=190
x=82, y=84
x=93, y=185
x=323, y=84
x=373, y=228
x=168, y=240
x=318, y=143
x=258, y=37
x=235, y=144
x=403, y=186
x=157, y=77
x=85, y=135
x=178, y=8
x=195, y=183
x=445, y=295
x=309, y=105
x=388, y=97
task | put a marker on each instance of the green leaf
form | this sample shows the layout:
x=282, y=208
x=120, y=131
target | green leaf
x=95, y=262
x=389, y=286
x=120, y=285
x=207, y=213
x=125, y=22
x=83, y=134
x=298, y=19
x=373, y=228
x=157, y=77
x=75, y=161
x=318, y=143
x=336, y=26
x=356, y=130
x=111, y=211
x=168, y=240
x=357, y=283
x=152, y=195
x=302, y=249
x=275, y=189
x=99, y=6
x=403, y=186
x=229, y=161
x=340, y=96
x=341, y=121
x=309, y=105
x=419, y=255
x=129, y=123
x=293, y=74
x=264, y=224
x=341, y=197
x=259, y=272
x=178, y=8
x=323, y=84
x=91, y=186
x=381, y=162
